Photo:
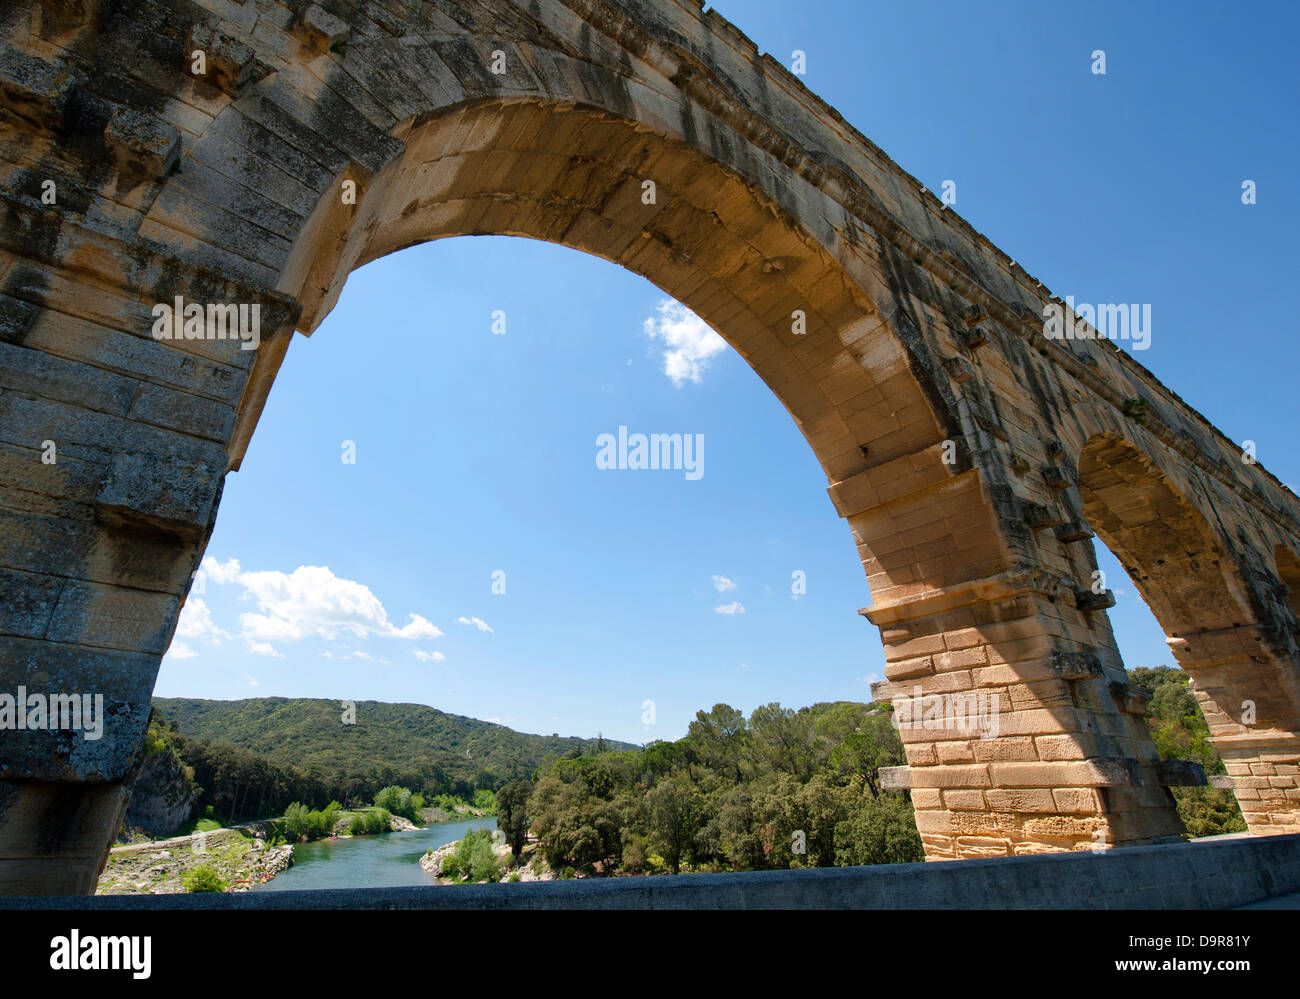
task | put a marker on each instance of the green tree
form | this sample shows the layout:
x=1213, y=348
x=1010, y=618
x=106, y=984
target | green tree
x=396, y=800
x=512, y=815
x=720, y=737
x=1180, y=732
x=473, y=859
x=784, y=740
x=877, y=830
x=675, y=813
x=296, y=823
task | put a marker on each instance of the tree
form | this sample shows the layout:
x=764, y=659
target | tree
x=296, y=822
x=720, y=736
x=784, y=740
x=396, y=800
x=878, y=831
x=512, y=815
x=473, y=858
x=1180, y=732
x=675, y=812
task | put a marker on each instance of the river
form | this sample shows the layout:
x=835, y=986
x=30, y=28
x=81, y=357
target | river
x=388, y=860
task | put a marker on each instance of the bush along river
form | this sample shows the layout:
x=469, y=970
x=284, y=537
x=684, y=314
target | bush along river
x=387, y=860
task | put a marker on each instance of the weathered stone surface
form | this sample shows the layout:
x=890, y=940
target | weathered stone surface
x=952, y=433
x=141, y=144
x=155, y=493
x=322, y=29
x=33, y=89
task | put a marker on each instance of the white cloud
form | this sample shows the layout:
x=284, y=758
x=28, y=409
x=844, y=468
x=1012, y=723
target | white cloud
x=428, y=657
x=477, y=622
x=689, y=342
x=313, y=601
x=722, y=584
x=253, y=681
x=309, y=602
x=196, y=622
x=179, y=650
x=735, y=607
x=221, y=572
x=348, y=654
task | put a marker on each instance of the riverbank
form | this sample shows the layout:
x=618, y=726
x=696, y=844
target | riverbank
x=387, y=861
x=239, y=856
x=532, y=866
x=438, y=816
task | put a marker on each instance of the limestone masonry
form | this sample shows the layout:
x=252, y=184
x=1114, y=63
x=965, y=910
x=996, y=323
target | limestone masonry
x=232, y=161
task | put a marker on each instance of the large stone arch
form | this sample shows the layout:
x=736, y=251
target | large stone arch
x=1202, y=595
x=945, y=422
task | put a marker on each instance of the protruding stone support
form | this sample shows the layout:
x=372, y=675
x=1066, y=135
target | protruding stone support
x=1244, y=693
x=55, y=838
x=1015, y=745
x=1264, y=774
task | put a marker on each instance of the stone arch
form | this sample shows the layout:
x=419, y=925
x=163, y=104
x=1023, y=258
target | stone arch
x=923, y=382
x=1200, y=595
x=1159, y=537
x=573, y=174
x=1288, y=571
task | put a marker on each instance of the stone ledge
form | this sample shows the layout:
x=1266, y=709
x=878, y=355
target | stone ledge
x=1211, y=874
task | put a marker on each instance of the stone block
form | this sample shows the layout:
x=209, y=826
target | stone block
x=33, y=89
x=152, y=493
x=141, y=144
x=323, y=31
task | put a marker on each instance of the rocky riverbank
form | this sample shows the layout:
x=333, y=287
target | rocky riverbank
x=239, y=856
x=533, y=868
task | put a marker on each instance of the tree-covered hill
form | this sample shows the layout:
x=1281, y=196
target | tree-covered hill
x=322, y=736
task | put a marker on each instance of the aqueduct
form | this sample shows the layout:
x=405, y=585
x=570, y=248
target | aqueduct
x=210, y=149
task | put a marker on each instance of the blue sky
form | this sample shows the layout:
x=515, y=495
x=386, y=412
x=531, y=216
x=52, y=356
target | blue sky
x=475, y=452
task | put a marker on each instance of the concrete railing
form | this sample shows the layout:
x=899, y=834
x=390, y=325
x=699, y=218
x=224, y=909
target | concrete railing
x=1210, y=874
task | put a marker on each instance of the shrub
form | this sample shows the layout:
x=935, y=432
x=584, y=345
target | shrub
x=397, y=800
x=369, y=822
x=473, y=858
x=204, y=878
x=296, y=821
x=451, y=865
x=484, y=864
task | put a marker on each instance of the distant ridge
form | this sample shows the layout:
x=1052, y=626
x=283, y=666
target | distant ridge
x=309, y=733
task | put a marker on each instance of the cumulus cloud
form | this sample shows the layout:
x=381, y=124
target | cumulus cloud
x=735, y=607
x=309, y=602
x=179, y=650
x=429, y=657
x=221, y=572
x=689, y=343
x=313, y=601
x=196, y=622
x=722, y=584
x=477, y=622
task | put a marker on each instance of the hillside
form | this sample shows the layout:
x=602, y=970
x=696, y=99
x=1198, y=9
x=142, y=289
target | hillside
x=308, y=734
